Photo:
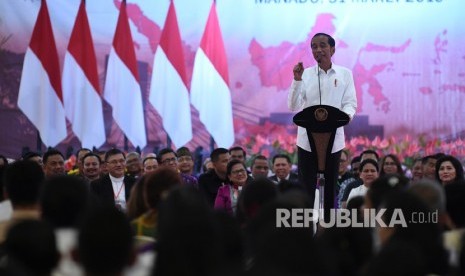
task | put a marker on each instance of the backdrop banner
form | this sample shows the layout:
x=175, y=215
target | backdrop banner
x=407, y=57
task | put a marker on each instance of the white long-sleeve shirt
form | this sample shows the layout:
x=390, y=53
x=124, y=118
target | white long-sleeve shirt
x=337, y=90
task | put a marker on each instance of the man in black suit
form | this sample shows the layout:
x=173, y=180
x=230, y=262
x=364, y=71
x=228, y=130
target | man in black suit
x=210, y=181
x=282, y=166
x=114, y=188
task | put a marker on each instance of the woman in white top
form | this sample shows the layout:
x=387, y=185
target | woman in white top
x=369, y=171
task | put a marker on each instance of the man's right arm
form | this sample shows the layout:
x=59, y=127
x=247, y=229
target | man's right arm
x=296, y=98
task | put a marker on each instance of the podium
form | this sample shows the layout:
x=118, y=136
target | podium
x=321, y=123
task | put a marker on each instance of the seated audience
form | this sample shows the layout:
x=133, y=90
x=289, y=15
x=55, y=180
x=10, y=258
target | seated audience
x=227, y=196
x=448, y=170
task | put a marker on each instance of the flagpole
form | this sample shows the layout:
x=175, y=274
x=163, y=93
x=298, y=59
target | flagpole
x=168, y=141
x=126, y=146
x=212, y=143
x=39, y=142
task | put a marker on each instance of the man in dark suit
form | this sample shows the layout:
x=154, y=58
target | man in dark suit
x=282, y=166
x=210, y=181
x=114, y=188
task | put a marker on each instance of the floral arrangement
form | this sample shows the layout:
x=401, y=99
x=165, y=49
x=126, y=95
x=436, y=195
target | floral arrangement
x=407, y=148
x=267, y=139
x=270, y=139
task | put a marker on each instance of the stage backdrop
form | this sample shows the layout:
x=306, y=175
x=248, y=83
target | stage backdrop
x=407, y=56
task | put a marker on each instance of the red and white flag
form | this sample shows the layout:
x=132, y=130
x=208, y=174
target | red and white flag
x=40, y=95
x=83, y=104
x=122, y=89
x=168, y=91
x=210, y=84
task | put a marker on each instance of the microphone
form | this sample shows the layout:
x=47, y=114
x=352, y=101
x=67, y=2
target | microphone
x=318, y=59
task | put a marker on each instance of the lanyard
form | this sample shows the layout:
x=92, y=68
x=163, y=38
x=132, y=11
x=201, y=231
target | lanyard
x=119, y=192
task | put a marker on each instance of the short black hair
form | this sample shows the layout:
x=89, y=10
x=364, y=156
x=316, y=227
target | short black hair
x=256, y=194
x=30, y=154
x=184, y=151
x=51, y=152
x=282, y=155
x=238, y=148
x=23, y=180
x=163, y=152
x=64, y=200
x=356, y=159
x=91, y=154
x=105, y=241
x=258, y=157
x=112, y=152
x=32, y=243
x=331, y=40
x=369, y=151
x=215, y=154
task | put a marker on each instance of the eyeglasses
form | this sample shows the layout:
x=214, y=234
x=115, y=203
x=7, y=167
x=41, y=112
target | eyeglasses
x=115, y=162
x=236, y=172
x=389, y=164
x=261, y=168
x=168, y=160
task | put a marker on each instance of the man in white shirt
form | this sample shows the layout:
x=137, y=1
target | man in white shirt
x=326, y=84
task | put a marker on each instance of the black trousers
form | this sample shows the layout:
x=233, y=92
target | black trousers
x=308, y=169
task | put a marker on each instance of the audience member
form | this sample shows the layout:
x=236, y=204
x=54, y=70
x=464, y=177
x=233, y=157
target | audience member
x=454, y=237
x=369, y=171
x=237, y=153
x=185, y=161
x=407, y=247
x=91, y=166
x=168, y=158
x=33, y=156
x=227, y=196
x=64, y=202
x=390, y=164
x=114, y=188
x=366, y=154
x=23, y=181
x=207, y=165
x=254, y=196
x=344, y=178
x=429, y=165
x=105, y=244
x=149, y=164
x=282, y=166
x=30, y=249
x=259, y=166
x=417, y=170
x=133, y=164
x=155, y=187
x=210, y=181
x=136, y=205
x=448, y=170
x=187, y=236
x=54, y=163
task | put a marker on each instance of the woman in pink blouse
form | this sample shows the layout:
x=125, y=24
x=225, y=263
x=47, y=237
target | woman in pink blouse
x=228, y=194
